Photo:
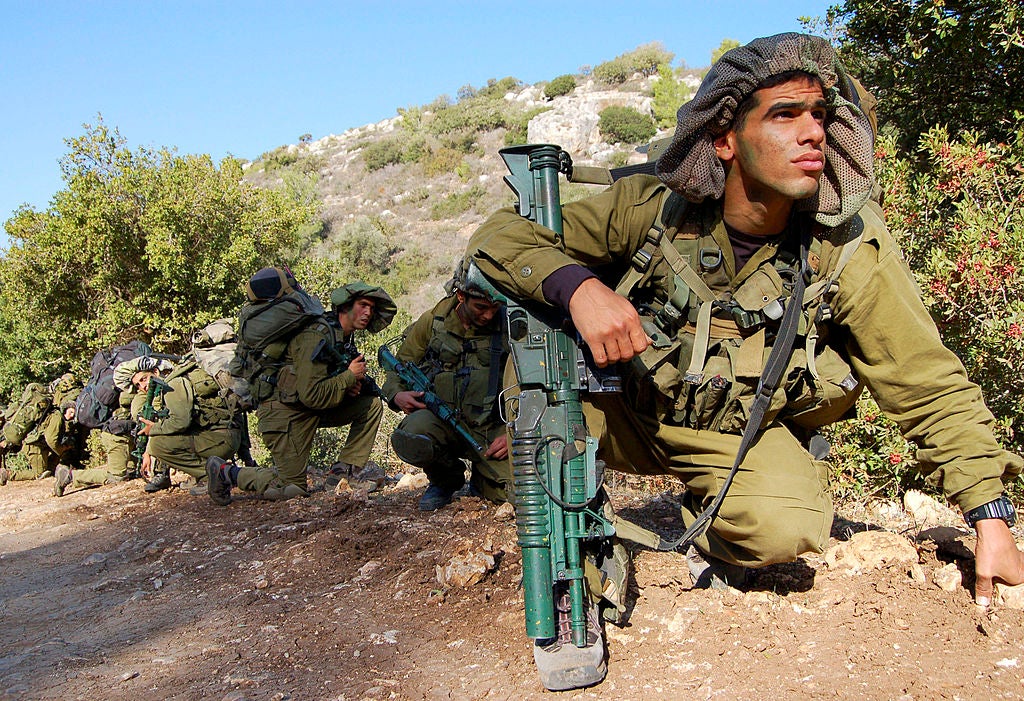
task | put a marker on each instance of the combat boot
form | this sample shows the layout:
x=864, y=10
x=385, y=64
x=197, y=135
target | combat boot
x=707, y=572
x=62, y=480
x=288, y=491
x=161, y=478
x=5, y=475
x=218, y=482
x=436, y=496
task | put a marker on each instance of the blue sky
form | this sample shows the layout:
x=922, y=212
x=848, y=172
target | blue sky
x=242, y=78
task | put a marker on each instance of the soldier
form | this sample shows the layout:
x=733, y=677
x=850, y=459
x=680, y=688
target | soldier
x=43, y=449
x=772, y=163
x=193, y=422
x=461, y=346
x=322, y=382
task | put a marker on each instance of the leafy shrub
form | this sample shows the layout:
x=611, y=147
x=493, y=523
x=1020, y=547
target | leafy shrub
x=562, y=85
x=644, y=60
x=383, y=153
x=499, y=88
x=669, y=94
x=625, y=124
x=441, y=160
x=454, y=205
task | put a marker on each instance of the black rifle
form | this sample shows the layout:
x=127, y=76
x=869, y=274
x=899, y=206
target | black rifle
x=417, y=381
x=338, y=357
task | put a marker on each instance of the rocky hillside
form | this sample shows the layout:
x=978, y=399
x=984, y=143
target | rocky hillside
x=446, y=181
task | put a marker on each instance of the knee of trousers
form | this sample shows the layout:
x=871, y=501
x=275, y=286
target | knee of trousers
x=782, y=535
x=414, y=448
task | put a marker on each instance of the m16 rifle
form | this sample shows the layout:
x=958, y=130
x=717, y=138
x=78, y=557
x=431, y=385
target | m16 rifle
x=558, y=495
x=338, y=357
x=157, y=389
x=417, y=381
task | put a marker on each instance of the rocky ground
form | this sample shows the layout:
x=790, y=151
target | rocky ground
x=114, y=594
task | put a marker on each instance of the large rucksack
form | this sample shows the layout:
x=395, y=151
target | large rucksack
x=99, y=398
x=265, y=326
x=214, y=348
x=24, y=415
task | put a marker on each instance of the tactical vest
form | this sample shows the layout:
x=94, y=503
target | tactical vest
x=713, y=329
x=209, y=408
x=466, y=372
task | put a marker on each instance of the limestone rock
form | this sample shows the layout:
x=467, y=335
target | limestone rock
x=1010, y=597
x=467, y=566
x=412, y=481
x=871, y=550
x=928, y=512
x=948, y=578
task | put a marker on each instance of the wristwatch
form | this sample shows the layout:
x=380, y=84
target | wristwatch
x=998, y=508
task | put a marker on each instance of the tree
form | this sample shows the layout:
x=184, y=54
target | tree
x=140, y=244
x=958, y=63
x=669, y=94
x=726, y=45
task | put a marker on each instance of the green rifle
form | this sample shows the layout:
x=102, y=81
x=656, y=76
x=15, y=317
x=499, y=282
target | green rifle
x=157, y=388
x=417, y=381
x=558, y=495
x=339, y=358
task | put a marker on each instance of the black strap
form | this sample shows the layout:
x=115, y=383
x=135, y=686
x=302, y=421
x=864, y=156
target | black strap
x=778, y=360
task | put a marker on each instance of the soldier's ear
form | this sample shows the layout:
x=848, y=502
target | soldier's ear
x=725, y=147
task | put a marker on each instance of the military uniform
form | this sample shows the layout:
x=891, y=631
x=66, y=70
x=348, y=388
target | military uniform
x=115, y=437
x=199, y=424
x=309, y=395
x=466, y=369
x=44, y=447
x=684, y=418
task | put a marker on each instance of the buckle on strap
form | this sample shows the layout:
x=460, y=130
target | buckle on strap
x=642, y=258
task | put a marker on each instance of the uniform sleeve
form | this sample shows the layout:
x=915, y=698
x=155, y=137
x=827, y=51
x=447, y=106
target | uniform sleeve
x=413, y=349
x=53, y=427
x=518, y=254
x=178, y=403
x=916, y=380
x=316, y=389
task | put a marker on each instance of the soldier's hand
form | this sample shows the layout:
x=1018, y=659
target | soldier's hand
x=409, y=401
x=996, y=559
x=356, y=389
x=358, y=367
x=144, y=468
x=498, y=449
x=148, y=426
x=607, y=322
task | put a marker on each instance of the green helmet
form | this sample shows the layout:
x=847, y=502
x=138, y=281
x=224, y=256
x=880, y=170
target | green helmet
x=468, y=279
x=385, y=309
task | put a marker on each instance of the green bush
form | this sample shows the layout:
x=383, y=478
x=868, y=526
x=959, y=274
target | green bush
x=562, y=85
x=625, y=124
x=669, y=94
x=383, y=153
x=454, y=205
x=643, y=60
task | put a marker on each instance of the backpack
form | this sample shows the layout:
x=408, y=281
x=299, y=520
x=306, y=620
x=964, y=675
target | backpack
x=264, y=329
x=99, y=398
x=214, y=349
x=24, y=415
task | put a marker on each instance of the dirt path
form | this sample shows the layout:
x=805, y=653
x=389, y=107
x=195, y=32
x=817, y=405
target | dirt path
x=114, y=594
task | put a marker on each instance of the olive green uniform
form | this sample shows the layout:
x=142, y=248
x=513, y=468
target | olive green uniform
x=307, y=397
x=198, y=425
x=879, y=333
x=466, y=369
x=117, y=445
x=43, y=448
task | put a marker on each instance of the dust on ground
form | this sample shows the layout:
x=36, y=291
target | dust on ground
x=112, y=593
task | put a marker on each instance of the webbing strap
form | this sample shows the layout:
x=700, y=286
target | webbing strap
x=778, y=359
x=695, y=372
x=688, y=274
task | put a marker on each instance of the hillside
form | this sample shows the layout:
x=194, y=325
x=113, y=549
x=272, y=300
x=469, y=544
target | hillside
x=438, y=183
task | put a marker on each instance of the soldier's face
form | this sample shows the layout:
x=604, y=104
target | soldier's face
x=358, y=316
x=777, y=153
x=476, y=311
x=141, y=381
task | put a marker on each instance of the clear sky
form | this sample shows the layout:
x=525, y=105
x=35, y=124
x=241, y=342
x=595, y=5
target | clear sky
x=232, y=77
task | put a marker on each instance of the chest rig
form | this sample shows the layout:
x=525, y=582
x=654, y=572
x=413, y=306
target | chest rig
x=466, y=371
x=713, y=327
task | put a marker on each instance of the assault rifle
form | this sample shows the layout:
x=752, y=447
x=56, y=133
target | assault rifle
x=157, y=388
x=558, y=496
x=417, y=381
x=338, y=359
